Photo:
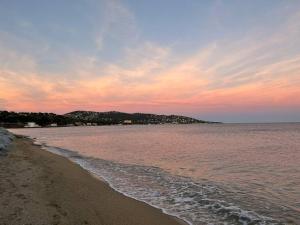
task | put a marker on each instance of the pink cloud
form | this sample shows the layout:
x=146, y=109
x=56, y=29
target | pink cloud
x=224, y=76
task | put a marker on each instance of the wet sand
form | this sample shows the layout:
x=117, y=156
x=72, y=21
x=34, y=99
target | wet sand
x=41, y=188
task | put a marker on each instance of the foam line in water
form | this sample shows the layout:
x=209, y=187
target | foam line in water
x=196, y=203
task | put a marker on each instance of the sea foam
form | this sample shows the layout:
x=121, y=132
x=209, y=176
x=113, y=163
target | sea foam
x=194, y=202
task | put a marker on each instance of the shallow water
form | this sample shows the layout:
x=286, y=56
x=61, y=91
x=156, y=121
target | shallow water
x=205, y=174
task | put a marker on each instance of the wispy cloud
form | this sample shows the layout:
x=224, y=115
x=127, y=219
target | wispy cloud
x=260, y=69
x=115, y=23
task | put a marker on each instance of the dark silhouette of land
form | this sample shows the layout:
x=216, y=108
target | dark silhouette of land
x=89, y=118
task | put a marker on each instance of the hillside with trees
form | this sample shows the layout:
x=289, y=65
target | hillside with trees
x=81, y=118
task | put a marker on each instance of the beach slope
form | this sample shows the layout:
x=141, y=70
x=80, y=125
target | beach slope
x=41, y=188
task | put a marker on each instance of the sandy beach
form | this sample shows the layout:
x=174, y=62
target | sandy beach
x=41, y=188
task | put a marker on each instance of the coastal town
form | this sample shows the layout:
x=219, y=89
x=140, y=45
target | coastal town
x=87, y=118
x=35, y=125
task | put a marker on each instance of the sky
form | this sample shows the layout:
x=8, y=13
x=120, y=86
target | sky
x=230, y=61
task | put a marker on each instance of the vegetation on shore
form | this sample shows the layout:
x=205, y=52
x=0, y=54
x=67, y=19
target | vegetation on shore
x=78, y=118
x=14, y=119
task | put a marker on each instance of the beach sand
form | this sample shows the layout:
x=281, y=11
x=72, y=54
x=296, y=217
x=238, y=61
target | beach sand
x=41, y=188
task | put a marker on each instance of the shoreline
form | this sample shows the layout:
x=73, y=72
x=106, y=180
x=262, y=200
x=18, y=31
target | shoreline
x=40, y=187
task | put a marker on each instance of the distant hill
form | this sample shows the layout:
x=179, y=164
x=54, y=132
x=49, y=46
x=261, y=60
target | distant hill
x=114, y=117
x=81, y=118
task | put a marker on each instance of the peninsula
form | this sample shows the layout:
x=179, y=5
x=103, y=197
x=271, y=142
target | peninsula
x=88, y=118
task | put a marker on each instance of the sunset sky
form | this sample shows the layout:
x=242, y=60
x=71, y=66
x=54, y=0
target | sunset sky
x=231, y=61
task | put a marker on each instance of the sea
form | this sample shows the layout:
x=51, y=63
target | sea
x=214, y=174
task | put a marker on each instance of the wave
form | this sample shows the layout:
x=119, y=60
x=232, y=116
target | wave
x=194, y=202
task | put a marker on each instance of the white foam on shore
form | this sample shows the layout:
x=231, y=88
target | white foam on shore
x=195, y=203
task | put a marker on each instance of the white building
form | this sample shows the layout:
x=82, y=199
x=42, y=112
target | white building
x=127, y=122
x=32, y=125
x=53, y=125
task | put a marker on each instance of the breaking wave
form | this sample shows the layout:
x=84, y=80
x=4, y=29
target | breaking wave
x=194, y=202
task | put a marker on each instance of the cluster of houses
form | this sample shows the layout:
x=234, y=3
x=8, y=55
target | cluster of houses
x=35, y=125
x=85, y=124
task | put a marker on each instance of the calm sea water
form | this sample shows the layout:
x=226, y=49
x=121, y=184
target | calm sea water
x=204, y=174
